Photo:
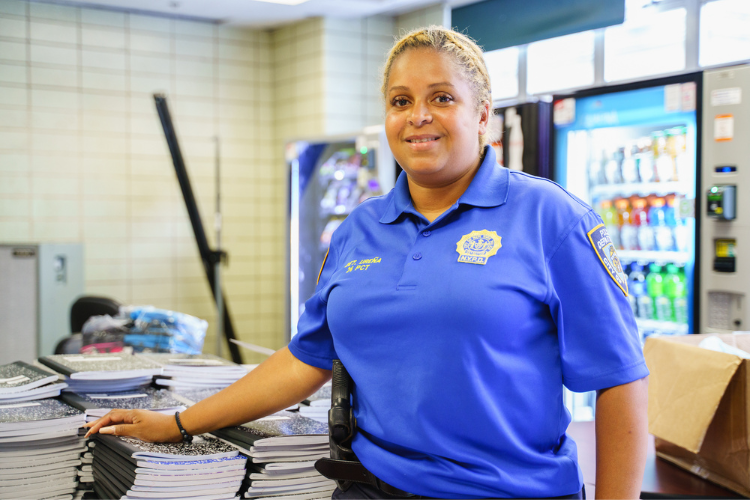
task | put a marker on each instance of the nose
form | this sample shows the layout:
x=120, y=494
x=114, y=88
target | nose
x=420, y=114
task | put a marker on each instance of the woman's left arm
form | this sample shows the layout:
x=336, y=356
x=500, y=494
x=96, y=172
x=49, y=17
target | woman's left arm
x=621, y=439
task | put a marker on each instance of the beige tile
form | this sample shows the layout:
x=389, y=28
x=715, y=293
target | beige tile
x=54, y=32
x=12, y=51
x=144, y=105
x=53, y=12
x=46, y=54
x=239, y=53
x=56, y=230
x=114, y=145
x=54, y=99
x=58, y=186
x=15, y=118
x=150, y=42
x=65, y=121
x=105, y=122
x=197, y=128
x=194, y=48
x=103, y=227
x=145, y=125
x=154, y=187
x=104, y=103
x=54, y=77
x=118, y=290
x=13, y=231
x=55, y=208
x=104, y=185
x=152, y=228
x=110, y=81
x=150, y=23
x=186, y=87
x=12, y=73
x=106, y=248
x=103, y=17
x=144, y=249
x=194, y=68
x=238, y=71
x=13, y=139
x=194, y=28
x=239, y=92
x=105, y=208
x=14, y=207
x=65, y=143
x=116, y=270
x=53, y=163
x=149, y=83
x=149, y=146
x=14, y=162
x=161, y=270
x=185, y=107
x=15, y=28
x=237, y=34
x=99, y=165
x=13, y=7
x=109, y=59
x=111, y=38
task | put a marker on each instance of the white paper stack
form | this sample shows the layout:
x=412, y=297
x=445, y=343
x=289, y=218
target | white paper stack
x=316, y=406
x=97, y=405
x=206, y=469
x=283, y=448
x=111, y=372
x=21, y=381
x=40, y=449
x=196, y=370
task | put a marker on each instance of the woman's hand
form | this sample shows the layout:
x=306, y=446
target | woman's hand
x=142, y=424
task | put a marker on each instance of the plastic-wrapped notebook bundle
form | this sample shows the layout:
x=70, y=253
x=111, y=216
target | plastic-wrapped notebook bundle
x=316, y=406
x=206, y=469
x=283, y=448
x=190, y=396
x=196, y=370
x=96, y=405
x=40, y=449
x=103, y=373
x=21, y=381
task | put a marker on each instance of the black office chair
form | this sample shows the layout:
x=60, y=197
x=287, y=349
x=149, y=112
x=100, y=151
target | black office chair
x=82, y=309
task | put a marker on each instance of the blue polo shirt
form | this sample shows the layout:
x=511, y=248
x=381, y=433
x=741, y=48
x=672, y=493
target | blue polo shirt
x=459, y=334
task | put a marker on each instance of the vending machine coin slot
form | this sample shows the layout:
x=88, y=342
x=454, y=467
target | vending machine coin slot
x=726, y=169
x=722, y=202
x=724, y=255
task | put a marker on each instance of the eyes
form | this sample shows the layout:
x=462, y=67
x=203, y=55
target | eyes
x=441, y=99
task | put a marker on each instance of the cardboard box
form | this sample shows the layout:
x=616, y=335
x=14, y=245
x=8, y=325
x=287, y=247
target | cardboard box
x=699, y=407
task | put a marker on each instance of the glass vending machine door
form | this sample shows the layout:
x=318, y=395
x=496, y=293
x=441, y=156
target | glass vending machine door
x=632, y=156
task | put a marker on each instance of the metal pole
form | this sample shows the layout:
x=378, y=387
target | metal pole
x=217, y=272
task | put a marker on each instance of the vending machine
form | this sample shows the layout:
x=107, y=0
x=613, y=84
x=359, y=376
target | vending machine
x=632, y=153
x=521, y=137
x=328, y=178
x=725, y=218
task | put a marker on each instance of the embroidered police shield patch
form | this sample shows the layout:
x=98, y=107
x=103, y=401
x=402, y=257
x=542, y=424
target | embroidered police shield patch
x=478, y=246
x=605, y=250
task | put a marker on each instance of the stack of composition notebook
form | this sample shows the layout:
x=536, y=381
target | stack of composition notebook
x=40, y=449
x=102, y=373
x=96, y=405
x=283, y=448
x=207, y=468
x=196, y=370
x=20, y=381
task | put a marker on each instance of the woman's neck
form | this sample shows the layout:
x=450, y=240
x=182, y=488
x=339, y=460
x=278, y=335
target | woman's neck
x=432, y=201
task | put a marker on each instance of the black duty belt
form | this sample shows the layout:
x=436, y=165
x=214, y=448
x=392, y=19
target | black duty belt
x=348, y=470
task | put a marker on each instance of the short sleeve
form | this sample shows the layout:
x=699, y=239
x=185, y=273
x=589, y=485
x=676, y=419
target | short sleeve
x=597, y=334
x=313, y=343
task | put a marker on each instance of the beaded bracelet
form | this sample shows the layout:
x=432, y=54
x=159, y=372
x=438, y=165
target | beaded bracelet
x=186, y=438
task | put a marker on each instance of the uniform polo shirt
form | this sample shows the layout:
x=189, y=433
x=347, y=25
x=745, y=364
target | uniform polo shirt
x=460, y=333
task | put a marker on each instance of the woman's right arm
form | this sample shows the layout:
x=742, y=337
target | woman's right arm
x=279, y=382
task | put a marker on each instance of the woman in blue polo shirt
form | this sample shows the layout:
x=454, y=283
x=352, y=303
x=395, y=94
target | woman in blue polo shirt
x=460, y=303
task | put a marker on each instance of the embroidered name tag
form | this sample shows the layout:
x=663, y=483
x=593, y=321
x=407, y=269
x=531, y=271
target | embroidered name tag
x=478, y=246
x=605, y=250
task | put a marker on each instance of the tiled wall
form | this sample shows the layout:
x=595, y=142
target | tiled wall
x=83, y=157
x=434, y=14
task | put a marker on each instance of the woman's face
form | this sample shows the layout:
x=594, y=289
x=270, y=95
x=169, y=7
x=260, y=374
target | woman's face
x=432, y=121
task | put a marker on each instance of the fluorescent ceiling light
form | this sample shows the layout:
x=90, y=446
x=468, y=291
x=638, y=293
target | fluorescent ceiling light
x=285, y=2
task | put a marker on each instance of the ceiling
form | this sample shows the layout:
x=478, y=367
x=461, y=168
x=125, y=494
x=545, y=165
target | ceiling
x=257, y=13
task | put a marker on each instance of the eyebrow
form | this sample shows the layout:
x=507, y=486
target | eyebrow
x=432, y=85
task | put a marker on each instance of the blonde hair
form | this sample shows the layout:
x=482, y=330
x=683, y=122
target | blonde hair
x=463, y=50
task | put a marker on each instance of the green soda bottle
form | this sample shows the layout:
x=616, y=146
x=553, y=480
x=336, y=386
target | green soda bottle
x=679, y=302
x=672, y=288
x=655, y=284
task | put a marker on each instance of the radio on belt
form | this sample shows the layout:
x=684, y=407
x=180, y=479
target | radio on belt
x=722, y=202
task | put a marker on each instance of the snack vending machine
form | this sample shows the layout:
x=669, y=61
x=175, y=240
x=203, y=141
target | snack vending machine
x=328, y=178
x=632, y=153
x=725, y=280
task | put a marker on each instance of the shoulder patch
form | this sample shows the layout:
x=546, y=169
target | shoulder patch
x=605, y=250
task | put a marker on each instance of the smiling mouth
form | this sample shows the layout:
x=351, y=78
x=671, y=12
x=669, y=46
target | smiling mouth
x=415, y=141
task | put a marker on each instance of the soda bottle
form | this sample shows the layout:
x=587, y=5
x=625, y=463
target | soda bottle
x=682, y=163
x=609, y=216
x=630, y=165
x=628, y=231
x=655, y=284
x=613, y=168
x=681, y=229
x=663, y=235
x=672, y=288
x=664, y=163
x=596, y=170
x=631, y=297
x=645, y=159
x=679, y=302
x=637, y=288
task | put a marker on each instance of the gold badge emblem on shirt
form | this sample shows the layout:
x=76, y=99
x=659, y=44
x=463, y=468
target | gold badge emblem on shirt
x=478, y=246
